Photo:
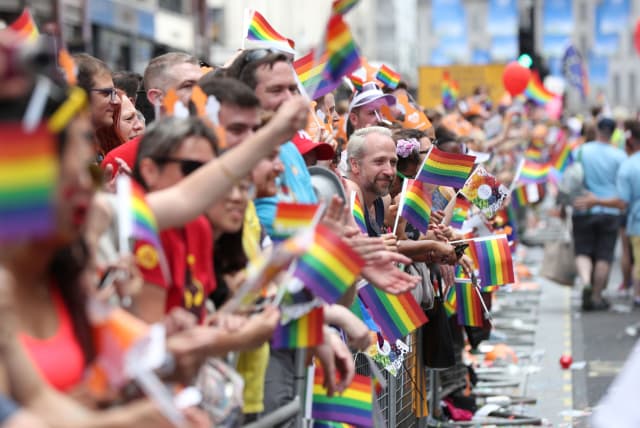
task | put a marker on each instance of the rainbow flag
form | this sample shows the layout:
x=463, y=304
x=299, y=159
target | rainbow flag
x=519, y=197
x=145, y=227
x=360, y=310
x=353, y=406
x=489, y=288
x=562, y=158
x=340, y=7
x=459, y=271
x=534, y=172
x=28, y=178
x=533, y=153
x=492, y=257
x=358, y=212
x=416, y=206
x=470, y=311
x=25, y=26
x=292, y=217
x=527, y=194
x=304, y=332
x=396, y=315
x=388, y=77
x=450, y=304
x=357, y=82
x=446, y=169
x=450, y=91
x=329, y=266
x=460, y=212
x=311, y=76
x=343, y=56
x=261, y=30
x=536, y=91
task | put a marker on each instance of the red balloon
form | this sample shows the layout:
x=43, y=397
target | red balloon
x=566, y=361
x=636, y=37
x=515, y=78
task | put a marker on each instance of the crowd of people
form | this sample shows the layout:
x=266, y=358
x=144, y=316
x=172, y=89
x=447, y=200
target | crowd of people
x=213, y=183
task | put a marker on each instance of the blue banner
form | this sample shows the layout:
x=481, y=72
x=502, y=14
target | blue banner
x=574, y=70
x=502, y=18
x=598, y=70
x=448, y=20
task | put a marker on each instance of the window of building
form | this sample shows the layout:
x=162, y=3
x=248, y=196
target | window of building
x=176, y=6
x=216, y=24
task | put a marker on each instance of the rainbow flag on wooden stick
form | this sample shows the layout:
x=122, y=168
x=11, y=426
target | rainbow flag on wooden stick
x=304, y=332
x=310, y=72
x=446, y=169
x=450, y=91
x=450, y=303
x=329, y=266
x=292, y=217
x=492, y=257
x=470, y=311
x=353, y=406
x=417, y=205
x=343, y=56
x=388, y=77
x=358, y=212
x=536, y=91
x=25, y=26
x=460, y=212
x=396, y=315
x=28, y=178
x=261, y=30
x=562, y=158
x=534, y=172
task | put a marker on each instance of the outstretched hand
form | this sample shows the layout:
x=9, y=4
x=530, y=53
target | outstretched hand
x=382, y=273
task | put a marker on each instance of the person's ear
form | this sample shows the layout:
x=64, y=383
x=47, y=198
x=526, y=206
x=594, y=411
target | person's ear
x=150, y=172
x=155, y=96
x=355, y=165
x=353, y=118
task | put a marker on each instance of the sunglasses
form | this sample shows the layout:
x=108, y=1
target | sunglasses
x=112, y=93
x=187, y=166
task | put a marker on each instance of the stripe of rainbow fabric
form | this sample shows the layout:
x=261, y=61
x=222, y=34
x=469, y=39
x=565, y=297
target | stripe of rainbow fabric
x=342, y=6
x=416, y=206
x=304, y=332
x=145, y=227
x=343, y=55
x=260, y=29
x=563, y=158
x=329, y=266
x=358, y=214
x=536, y=91
x=460, y=212
x=469, y=306
x=28, y=177
x=311, y=75
x=492, y=257
x=25, y=26
x=396, y=315
x=450, y=304
x=388, y=77
x=353, y=406
x=534, y=172
x=446, y=169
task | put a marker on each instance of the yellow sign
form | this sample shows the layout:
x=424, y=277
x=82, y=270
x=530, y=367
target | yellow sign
x=468, y=77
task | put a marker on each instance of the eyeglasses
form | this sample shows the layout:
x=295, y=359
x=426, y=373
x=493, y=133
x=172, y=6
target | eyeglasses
x=112, y=93
x=187, y=166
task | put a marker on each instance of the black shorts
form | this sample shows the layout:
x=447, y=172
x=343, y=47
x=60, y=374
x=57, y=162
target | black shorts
x=595, y=235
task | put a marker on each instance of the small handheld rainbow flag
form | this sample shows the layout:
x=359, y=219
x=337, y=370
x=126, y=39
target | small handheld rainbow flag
x=304, y=332
x=396, y=315
x=329, y=424
x=329, y=266
x=450, y=91
x=527, y=194
x=356, y=81
x=343, y=56
x=359, y=309
x=388, y=77
x=342, y=6
x=353, y=406
x=562, y=158
x=470, y=311
x=145, y=227
x=261, y=30
x=446, y=169
x=534, y=172
x=536, y=91
x=450, y=302
x=28, y=177
x=292, y=217
x=358, y=212
x=25, y=26
x=417, y=205
x=492, y=257
x=460, y=212
x=311, y=76
x=533, y=153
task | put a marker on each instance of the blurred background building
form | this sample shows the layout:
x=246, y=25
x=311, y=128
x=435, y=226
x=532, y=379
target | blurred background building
x=405, y=34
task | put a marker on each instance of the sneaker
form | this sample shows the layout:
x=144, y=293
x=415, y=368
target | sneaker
x=602, y=305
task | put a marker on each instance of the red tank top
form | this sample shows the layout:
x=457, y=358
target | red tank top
x=59, y=358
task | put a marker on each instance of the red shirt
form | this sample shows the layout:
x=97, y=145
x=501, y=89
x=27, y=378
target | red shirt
x=127, y=152
x=189, y=254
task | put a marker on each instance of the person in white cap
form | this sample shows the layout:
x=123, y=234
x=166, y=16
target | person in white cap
x=364, y=110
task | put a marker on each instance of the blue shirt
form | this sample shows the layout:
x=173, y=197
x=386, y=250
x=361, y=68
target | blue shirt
x=601, y=162
x=295, y=182
x=628, y=184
